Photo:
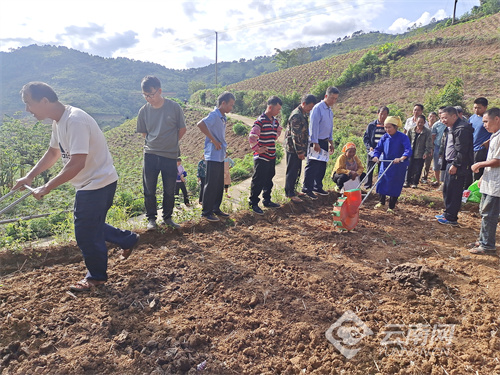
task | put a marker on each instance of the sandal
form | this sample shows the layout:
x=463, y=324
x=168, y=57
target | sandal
x=85, y=285
x=481, y=250
x=473, y=244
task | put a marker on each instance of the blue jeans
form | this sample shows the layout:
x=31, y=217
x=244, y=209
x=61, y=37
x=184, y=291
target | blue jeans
x=490, y=209
x=92, y=232
x=153, y=165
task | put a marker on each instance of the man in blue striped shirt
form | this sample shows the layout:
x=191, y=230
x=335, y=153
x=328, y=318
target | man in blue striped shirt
x=320, y=138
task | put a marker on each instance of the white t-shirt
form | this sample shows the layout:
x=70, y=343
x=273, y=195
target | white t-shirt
x=410, y=124
x=78, y=133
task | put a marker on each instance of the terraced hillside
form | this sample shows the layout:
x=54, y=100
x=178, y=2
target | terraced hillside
x=470, y=51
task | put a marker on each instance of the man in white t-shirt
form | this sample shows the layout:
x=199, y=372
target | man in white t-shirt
x=418, y=110
x=88, y=166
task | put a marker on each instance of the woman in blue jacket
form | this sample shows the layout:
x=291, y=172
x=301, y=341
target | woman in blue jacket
x=394, y=145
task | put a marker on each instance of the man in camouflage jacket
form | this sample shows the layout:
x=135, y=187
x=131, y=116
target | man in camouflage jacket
x=296, y=143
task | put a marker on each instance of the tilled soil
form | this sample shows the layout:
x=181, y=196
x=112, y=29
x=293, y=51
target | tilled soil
x=283, y=293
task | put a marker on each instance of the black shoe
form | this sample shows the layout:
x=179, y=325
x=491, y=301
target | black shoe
x=170, y=223
x=221, y=214
x=321, y=192
x=257, y=209
x=311, y=195
x=211, y=218
x=271, y=204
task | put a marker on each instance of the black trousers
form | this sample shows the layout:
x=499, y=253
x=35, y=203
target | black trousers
x=480, y=155
x=453, y=188
x=262, y=180
x=341, y=179
x=315, y=171
x=182, y=186
x=214, y=188
x=392, y=201
x=414, y=171
x=369, y=164
x=202, y=188
x=293, y=167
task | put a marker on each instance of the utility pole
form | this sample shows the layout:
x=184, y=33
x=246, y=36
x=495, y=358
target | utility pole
x=216, y=38
x=454, y=12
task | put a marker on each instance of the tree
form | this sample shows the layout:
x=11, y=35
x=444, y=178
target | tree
x=285, y=59
x=194, y=86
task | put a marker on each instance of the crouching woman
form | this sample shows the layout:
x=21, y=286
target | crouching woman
x=348, y=166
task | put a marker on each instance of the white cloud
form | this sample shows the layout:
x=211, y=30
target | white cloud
x=401, y=25
x=247, y=28
x=199, y=61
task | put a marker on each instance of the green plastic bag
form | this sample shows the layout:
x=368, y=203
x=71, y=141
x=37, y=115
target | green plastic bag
x=474, y=196
x=474, y=187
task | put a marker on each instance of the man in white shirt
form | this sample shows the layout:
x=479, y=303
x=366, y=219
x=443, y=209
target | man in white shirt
x=489, y=185
x=418, y=110
x=88, y=165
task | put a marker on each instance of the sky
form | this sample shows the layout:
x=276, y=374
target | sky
x=181, y=34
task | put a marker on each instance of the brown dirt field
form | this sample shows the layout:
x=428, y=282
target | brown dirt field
x=255, y=295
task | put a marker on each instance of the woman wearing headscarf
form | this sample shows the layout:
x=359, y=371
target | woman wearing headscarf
x=348, y=166
x=394, y=145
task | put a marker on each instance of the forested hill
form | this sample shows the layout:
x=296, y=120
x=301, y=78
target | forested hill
x=109, y=88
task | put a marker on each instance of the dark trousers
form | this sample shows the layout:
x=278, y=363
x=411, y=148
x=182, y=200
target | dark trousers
x=392, y=201
x=153, y=165
x=427, y=168
x=293, y=167
x=92, y=232
x=214, y=188
x=202, y=188
x=341, y=179
x=369, y=164
x=414, y=171
x=262, y=180
x=182, y=186
x=314, y=171
x=471, y=177
x=453, y=188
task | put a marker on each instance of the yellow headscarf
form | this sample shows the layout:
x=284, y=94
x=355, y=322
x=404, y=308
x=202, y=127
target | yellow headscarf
x=347, y=146
x=394, y=120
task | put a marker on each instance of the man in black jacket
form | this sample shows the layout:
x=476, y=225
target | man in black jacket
x=373, y=133
x=457, y=159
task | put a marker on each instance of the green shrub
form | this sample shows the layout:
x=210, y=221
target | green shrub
x=451, y=94
x=240, y=128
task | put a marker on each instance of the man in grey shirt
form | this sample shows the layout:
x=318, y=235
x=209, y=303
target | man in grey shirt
x=161, y=122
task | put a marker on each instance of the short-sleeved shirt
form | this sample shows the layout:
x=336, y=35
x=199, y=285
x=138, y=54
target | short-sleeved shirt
x=320, y=122
x=216, y=124
x=161, y=126
x=480, y=135
x=77, y=132
x=438, y=130
x=490, y=183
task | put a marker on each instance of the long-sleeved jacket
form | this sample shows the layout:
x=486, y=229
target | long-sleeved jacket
x=423, y=145
x=297, y=132
x=340, y=165
x=373, y=133
x=463, y=144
